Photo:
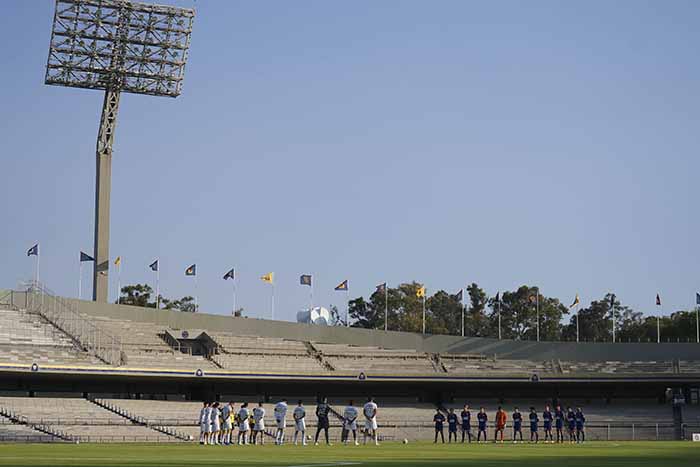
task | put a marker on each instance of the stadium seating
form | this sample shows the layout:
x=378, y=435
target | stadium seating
x=613, y=367
x=264, y=355
x=142, y=346
x=375, y=360
x=463, y=365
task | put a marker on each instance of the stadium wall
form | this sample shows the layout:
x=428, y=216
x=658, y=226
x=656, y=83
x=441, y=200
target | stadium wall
x=509, y=349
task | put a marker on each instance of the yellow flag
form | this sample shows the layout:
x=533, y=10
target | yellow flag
x=420, y=292
x=269, y=277
x=118, y=261
x=576, y=302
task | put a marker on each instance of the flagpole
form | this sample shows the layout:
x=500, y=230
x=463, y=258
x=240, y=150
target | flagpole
x=158, y=287
x=612, y=311
x=272, y=305
x=577, y=322
x=119, y=281
x=386, y=306
x=658, y=325
x=347, y=307
x=311, y=294
x=463, y=305
x=499, y=318
x=537, y=307
x=697, y=323
x=36, y=268
x=196, y=298
x=234, y=296
x=80, y=280
x=423, y=313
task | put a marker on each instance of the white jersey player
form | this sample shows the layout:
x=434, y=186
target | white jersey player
x=350, y=415
x=207, y=424
x=259, y=427
x=215, y=423
x=281, y=419
x=203, y=422
x=243, y=424
x=370, y=413
x=226, y=427
x=300, y=423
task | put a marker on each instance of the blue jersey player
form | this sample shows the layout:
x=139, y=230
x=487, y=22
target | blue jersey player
x=580, y=421
x=482, y=419
x=517, y=425
x=439, y=420
x=547, y=418
x=571, y=424
x=452, y=425
x=534, y=419
x=466, y=416
x=559, y=423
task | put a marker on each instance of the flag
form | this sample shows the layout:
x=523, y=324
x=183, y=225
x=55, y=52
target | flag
x=33, y=251
x=612, y=301
x=85, y=257
x=533, y=298
x=420, y=292
x=269, y=277
x=381, y=288
x=229, y=275
x=191, y=271
x=697, y=298
x=154, y=265
x=342, y=286
x=460, y=295
x=576, y=302
x=498, y=297
x=305, y=279
x=118, y=261
x=658, y=300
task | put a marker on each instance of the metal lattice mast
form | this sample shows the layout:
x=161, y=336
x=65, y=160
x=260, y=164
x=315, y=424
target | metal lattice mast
x=116, y=46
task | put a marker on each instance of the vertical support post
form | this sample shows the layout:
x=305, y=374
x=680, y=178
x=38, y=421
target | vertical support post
x=103, y=184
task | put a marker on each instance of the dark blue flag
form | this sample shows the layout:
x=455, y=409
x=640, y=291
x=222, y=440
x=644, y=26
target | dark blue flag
x=85, y=257
x=229, y=275
x=33, y=251
x=697, y=298
x=154, y=265
x=191, y=271
x=305, y=279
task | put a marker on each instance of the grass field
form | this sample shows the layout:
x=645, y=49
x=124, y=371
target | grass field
x=594, y=454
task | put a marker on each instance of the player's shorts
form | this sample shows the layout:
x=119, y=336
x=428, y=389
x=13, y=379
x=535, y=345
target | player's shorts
x=323, y=423
x=281, y=423
x=227, y=425
x=466, y=428
x=259, y=425
x=370, y=424
x=203, y=427
x=244, y=426
x=560, y=425
x=482, y=427
x=533, y=428
x=350, y=426
x=216, y=426
x=453, y=428
x=300, y=425
x=548, y=426
x=517, y=427
x=572, y=427
x=579, y=427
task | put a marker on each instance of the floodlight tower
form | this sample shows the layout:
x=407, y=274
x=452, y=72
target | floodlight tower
x=116, y=46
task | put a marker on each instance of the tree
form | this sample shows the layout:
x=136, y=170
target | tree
x=476, y=323
x=444, y=314
x=364, y=314
x=136, y=295
x=185, y=304
x=595, y=321
x=519, y=314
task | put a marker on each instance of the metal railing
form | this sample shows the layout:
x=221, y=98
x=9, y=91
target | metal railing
x=64, y=315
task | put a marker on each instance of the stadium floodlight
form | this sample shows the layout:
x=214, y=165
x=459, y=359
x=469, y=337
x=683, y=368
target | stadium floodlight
x=116, y=46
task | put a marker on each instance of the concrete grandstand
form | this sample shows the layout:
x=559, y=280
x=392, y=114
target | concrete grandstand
x=84, y=371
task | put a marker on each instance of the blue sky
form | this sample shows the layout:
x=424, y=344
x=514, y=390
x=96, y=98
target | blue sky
x=507, y=142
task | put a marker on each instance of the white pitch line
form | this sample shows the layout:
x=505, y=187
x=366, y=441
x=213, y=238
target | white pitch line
x=326, y=465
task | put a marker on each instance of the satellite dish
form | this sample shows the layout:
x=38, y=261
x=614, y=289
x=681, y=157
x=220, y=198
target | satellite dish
x=319, y=316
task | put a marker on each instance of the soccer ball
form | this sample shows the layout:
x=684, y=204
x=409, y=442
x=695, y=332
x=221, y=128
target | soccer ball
x=405, y=441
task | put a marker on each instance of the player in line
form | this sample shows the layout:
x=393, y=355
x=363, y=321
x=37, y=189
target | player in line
x=534, y=420
x=322, y=411
x=299, y=415
x=370, y=412
x=517, y=425
x=281, y=419
x=439, y=419
x=482, y=418
x=501, y=418
x=466, y=423
x=350, y=424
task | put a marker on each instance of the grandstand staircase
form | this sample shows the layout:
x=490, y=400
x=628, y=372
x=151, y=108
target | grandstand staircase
x=318, y=355
x=436, y=361
x=45, y=429
x=138, y=420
